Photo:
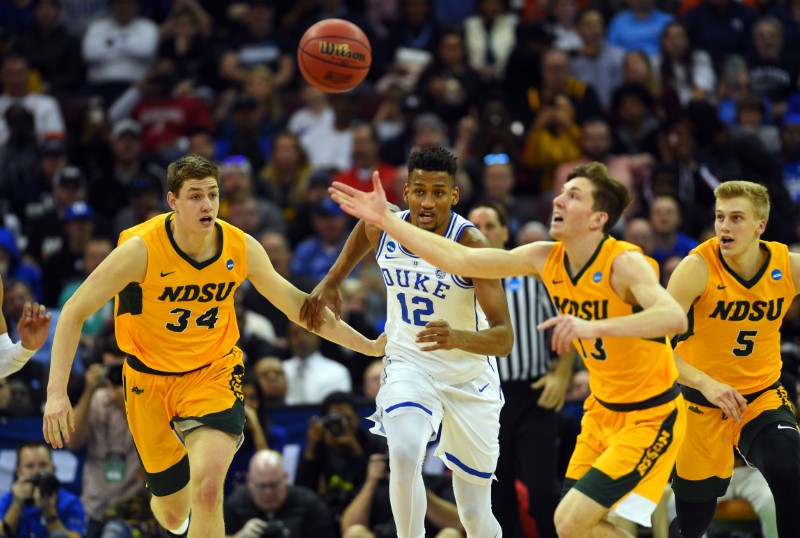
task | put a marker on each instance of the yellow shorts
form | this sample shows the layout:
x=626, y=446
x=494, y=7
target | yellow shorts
x=705, y=460
x=623, y=459
x=162, y=407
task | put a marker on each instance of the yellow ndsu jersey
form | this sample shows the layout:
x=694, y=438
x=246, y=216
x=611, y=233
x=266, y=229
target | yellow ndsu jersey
x=621, y=370
x=734, y=326
x=181, y=317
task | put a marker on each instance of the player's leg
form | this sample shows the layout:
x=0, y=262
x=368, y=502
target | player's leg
x=702, y=471
x=474, y=502
x=358, y=531
x=578, y=515
x=504, y=493
x=407, y=435
x=749, y=484
x=775, y=451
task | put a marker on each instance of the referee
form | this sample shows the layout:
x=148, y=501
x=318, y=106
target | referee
x=534, y=383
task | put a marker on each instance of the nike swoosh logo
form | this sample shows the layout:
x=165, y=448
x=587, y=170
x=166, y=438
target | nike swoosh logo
x=166, y=274
x=721, y=287
x=782, y=427
x=557, y=281
x=481, y=389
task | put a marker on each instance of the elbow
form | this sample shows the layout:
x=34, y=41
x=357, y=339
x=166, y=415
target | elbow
x=507, y=343
x=679, y=323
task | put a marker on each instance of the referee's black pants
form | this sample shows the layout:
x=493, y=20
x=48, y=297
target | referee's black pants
x=529, y=451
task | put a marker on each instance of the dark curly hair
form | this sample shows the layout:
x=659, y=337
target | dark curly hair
x=433, y=159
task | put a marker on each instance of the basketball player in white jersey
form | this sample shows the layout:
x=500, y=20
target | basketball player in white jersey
x=440, y=373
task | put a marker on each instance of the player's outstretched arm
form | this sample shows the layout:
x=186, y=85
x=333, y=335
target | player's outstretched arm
x=289, y=300
x=127, y=263
x=634, y=279
x=686, y=285
x=445, y=254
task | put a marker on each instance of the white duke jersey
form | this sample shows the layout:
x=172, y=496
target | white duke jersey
x=417, y=293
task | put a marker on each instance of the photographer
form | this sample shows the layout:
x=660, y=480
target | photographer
x=370, y=514
x=109, y=473
x=269, y=507
x=338, y=449
x=37, y=506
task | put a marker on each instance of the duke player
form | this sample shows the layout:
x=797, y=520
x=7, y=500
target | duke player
x=440, y=374
x=616, y=314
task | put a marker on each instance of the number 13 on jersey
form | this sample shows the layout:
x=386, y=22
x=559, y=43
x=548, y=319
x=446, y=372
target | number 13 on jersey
x=596, y=349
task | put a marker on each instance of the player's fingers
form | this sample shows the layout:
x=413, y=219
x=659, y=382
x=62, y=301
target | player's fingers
x=546, y=324
x=27, y=310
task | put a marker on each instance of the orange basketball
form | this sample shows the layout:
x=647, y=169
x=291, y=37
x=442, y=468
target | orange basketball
x=334, y=55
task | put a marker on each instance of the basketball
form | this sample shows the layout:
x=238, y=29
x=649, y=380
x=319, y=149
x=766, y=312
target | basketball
x=334, y=55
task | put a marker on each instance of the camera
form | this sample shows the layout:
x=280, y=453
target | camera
x=335, y=423
x=275, y=529
x=46, y=483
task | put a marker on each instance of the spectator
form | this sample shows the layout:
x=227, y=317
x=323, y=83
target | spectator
x=47, y=118
x=67, y=264
x=285, y=178
x=315, y=256
x=237, y=184
x=369, y=514
x=790, y=155
x=118, y=49
x=373, y=379
x=773, y=69
x=268, y=503
x=14, y=267
x=412, y=40
x=108, y=188
x=201, y=143
x=310, y=376
x=687, y=69
x=637, y=69
x=331, y=146
x=37, y=506
x=638, y=27
x=640, y=232
x=316, y=110
x=499, y=182
x=338, y=449
x=751, y=118
x=734, y=83
x=145, y=197
x=184, y=42
x=261, y=43
x=597, y=62
x=271, y=379
x=366, y=162
x=665, y=217
x=490, y=36
x=720, y=27
x=634, y=121
x=565, y=33
x=44, y=217
x=252, y=344
x=112, y=464
x=95, y=251
x=52, y=51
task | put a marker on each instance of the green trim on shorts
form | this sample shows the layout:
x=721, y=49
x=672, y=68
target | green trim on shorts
x=754, y=427
x=170, y=480
x=229, y=420
x=698, y=491
x=605, y=490
x=569, y=483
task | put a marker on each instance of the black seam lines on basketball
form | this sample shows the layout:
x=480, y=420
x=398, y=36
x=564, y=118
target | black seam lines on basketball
x=337, y=64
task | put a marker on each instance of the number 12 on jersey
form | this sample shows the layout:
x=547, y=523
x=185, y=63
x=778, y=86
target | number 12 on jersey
x=422, y=306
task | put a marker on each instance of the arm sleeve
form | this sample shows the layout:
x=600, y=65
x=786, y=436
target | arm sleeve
x=12, y=356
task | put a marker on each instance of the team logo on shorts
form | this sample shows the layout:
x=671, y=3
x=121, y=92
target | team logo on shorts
x=229, y=264
x=776, y=274
x=597, y=276
x=654, y=451
x=236, y=381
x=390, y=246
x=440, y=274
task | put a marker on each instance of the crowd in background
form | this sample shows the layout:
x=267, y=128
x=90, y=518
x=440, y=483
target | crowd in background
x=99, y=96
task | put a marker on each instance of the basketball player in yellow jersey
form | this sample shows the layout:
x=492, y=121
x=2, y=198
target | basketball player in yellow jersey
x=737, y=289
x=175, y=277
x=614, y=312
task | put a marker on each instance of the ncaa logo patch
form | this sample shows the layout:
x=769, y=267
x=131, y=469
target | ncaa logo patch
x=597, y=276
x=514, y=284
x=776, y=274
x=390, y=246
x=440, y=274
x=229, y=264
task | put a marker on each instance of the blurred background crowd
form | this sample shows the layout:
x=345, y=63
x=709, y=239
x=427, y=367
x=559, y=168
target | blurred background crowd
x=98, y=96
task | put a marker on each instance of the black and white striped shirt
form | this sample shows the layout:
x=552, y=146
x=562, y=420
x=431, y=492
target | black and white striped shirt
x=529, y=304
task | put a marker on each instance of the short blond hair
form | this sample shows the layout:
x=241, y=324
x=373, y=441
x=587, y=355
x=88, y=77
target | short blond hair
x=756, y=193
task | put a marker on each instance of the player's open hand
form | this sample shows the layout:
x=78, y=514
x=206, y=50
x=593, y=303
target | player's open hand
x=566, y=329
x=368, y=206
x=33, y=326
x=440, y=334
x=554, y=390
x=727, y=398
x=324, y=295
x=378, y=346
x=59, y=420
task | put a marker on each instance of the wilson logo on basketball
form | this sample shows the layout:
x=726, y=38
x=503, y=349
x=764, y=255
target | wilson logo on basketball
x=327, y=48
